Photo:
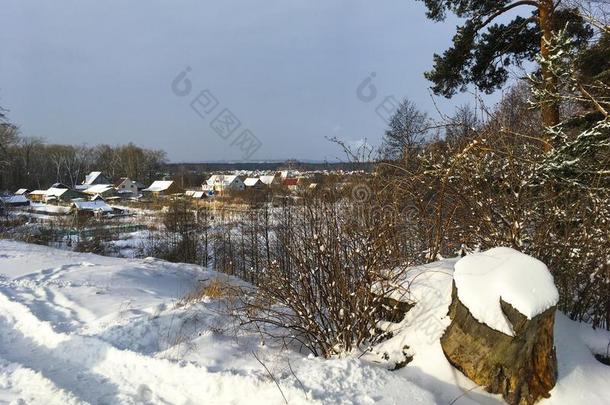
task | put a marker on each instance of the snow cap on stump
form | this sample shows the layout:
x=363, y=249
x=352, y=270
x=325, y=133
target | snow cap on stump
x=501, y=332
x=483, y=279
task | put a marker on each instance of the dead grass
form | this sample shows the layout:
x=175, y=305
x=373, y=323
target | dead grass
x=215, y=289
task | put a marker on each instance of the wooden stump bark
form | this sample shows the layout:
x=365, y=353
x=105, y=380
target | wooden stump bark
x=523, y=368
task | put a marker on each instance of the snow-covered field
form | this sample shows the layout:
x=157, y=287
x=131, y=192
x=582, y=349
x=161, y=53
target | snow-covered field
x=80, y=328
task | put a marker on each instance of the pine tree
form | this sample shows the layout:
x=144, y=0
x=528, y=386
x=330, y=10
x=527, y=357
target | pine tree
x=483, y=48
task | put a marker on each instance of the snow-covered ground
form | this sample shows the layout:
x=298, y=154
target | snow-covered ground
x=80, y=328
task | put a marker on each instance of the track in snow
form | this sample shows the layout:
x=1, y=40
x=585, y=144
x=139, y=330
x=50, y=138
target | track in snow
x=95, y=372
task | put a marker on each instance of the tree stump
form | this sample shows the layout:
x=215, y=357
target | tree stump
x=522, y=368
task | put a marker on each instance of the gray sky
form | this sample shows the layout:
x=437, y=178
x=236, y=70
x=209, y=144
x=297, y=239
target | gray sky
x=84, y=71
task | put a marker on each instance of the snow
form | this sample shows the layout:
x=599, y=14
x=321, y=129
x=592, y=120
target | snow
x=268, y=180
x=55, y=192
x=80, y=328
x=483, y=279
x=581, y=378
x=48, y=208
x=99, y=188
x=97, y=205
x=14, y=199
x=159, y=185
x=91, y=177
x=251, y=181
x=223, y=180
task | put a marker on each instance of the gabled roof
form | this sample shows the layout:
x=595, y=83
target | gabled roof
x=55, y=192
x=225, y=180
x=230, y=179
x=97, y=205
x=290, y=182
x=159, y=185
x=98, y=189
x=268, y=179
x=251, y=181
x=120, y=181
x=91, y=177
x=213, y=178
x=14, y=199
x=22, y=191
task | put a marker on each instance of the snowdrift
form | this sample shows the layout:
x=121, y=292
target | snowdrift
x=80, y=328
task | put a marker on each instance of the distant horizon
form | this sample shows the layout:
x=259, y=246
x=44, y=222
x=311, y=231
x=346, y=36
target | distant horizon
x=271, y=161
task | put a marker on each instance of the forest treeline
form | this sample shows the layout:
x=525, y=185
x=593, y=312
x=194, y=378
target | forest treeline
x=27, y=162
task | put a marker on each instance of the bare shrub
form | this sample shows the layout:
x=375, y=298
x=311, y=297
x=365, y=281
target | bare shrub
x=330, y=269
x=183, y=236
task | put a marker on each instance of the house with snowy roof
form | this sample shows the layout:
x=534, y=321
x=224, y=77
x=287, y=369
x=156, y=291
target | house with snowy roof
x=254, y=183
x=92, y=179
x=57, y=192
x=222, y=182
x=163, y=188
x=127, y=188
x=103, y=190
x=23, y=191
x=195, y=194
x=271, y=180
x=14, y=200
x=90, y=208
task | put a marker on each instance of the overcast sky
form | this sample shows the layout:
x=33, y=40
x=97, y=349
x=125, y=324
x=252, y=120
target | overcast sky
x=91, y=72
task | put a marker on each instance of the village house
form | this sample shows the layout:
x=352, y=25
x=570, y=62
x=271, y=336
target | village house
x=57, y=192
x=288, y=173
x=23, y=191
x=221, y=182
x=92, y=179
x=125, y=187
x=195, y=194
x=253, y=183
x=271, y=180
x=103, y=190
x=141, y=186
x=37, y=195
x=163, y=188
x=91, y=208
x=291, y=183
x=14, y=201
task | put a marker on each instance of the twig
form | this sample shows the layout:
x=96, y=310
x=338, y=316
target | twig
x=460, y=396
x=298, y=380
x=271, y=375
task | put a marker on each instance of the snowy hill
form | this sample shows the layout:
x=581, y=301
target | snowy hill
x=80, y=328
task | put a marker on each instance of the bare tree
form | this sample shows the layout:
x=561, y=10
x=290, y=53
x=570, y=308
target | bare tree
x=406, y=132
